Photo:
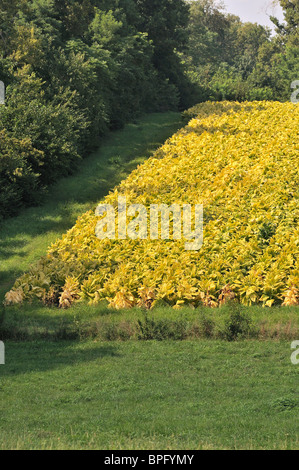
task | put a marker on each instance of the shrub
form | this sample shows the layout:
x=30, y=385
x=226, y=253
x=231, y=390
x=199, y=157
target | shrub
x=18, y=182
x=153, y=329
x=237, y=323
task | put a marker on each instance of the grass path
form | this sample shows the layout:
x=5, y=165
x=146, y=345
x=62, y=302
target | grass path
x=25, y=238
x=149, y=395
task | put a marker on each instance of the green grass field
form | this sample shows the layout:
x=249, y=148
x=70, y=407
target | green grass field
x=149, y=395
x=79, y=379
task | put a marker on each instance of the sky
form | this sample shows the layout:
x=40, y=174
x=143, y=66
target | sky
x=255, y=11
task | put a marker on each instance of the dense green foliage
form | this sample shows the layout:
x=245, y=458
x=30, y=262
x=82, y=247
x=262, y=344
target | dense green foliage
x=75, y=68
x=231, y=60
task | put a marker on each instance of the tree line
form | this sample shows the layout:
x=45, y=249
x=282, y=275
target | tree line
x=75, y=69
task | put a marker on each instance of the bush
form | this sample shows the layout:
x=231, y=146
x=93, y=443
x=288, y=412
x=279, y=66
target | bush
x=18, y=182
x=152, y=329
x=237, y=323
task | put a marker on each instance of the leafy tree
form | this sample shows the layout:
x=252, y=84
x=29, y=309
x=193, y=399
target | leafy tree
x=228, y=59
x=208, y=28
x=165, y=22
x=74, y=68
x=291, y=16
x=18, y=181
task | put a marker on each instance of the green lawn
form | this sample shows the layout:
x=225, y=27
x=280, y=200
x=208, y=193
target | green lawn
x=24, y=239
x=149, y=395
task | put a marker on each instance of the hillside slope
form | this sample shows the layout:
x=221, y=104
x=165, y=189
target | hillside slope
x=241, y=161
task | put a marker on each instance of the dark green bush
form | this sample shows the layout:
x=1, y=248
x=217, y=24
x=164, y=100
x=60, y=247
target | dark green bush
x=161, y=329
x=237, y=322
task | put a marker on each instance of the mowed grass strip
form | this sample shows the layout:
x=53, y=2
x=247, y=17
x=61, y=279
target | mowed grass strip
x=149, y=395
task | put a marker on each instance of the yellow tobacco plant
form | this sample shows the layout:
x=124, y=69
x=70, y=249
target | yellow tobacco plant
x=241, y=161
